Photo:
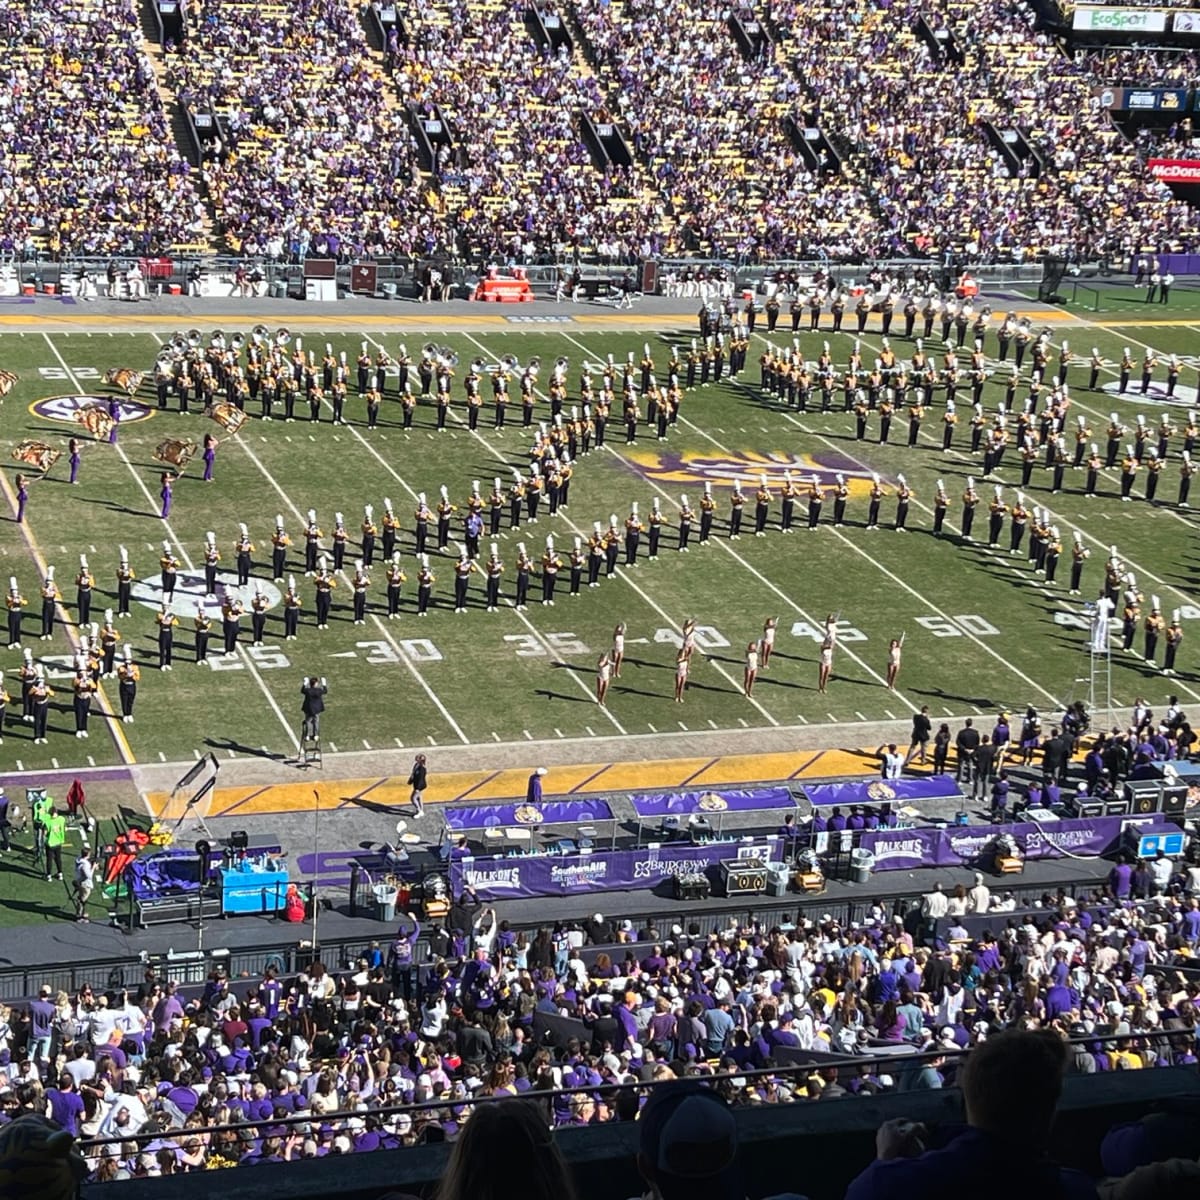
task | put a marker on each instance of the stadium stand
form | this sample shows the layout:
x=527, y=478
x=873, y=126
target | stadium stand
x=87, y=161
x=319, y=156
x=519, y=181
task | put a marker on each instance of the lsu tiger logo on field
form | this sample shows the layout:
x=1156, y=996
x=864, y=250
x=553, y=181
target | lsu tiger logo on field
x=66, y=408
x=666, y=467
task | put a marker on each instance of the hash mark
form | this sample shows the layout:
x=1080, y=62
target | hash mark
x=528, y=735
x=891, y=716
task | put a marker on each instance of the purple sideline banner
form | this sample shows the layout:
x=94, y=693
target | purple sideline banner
x=460, y=819
x=879, y=791
x=962, y=845
x=527, y=876
x=663, y=804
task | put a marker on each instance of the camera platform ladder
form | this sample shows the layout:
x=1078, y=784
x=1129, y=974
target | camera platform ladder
x=310, y=751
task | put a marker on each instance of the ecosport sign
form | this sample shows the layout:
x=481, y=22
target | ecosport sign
x=1102, y=18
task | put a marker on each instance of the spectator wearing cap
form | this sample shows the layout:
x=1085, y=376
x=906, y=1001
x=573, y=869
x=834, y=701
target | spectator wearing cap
x=688, y=1145
x=1011, y=1084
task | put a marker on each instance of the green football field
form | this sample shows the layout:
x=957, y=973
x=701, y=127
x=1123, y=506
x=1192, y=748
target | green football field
x=981, y=627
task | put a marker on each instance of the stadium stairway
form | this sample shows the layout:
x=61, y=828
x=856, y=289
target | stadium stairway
x=179, y=127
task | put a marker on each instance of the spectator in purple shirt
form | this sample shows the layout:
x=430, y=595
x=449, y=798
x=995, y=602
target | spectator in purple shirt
x=1120, y=880
x=167, y=1009
x=41, y=1025
x=66, y=1106
x=1011, y=1084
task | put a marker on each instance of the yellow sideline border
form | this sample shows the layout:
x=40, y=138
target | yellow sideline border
x=509, y=784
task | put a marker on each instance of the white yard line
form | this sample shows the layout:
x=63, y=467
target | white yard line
x=384, y=632
x=625, y=575
x=183, y=555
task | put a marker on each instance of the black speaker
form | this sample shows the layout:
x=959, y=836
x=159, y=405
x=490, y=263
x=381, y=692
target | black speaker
x=1174, y=799
x=1116, y=806
x=1086, y=806
x=203, y=849
x=239, y=839
x=1143, y=796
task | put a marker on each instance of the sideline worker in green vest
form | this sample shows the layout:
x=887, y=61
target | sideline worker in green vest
x=56, y=835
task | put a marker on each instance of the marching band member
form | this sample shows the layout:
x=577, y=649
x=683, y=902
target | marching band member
x=358, y=587
x=395, y=579
x=878, y=491
x=1174, y=637
x=949, y=420
x=312, y=542
x=1097, y=365
x=201, y=628
x=1154, y=466
x=14, y=602
x=533, y=492
x=341, y=539
x=39, y=700
x=1186, y=470
x=243, y=548
x=1129, y=466
x=682, y=667
x=633, y=535
x=445, y=510
x=737, y=501
x=524, y=567
x=125, y=578
x=707, y=508
x=551, y=564
x=656, y=522
x=762, y=506
x=166, y=621
x=391, y=528
x=84, y=583
x=279, y=544
x=596, y=550
x=841, y=493
x=1019, y=519
x=425, y=582
x=291, y=610
x=687, y=517
x=259, y=603
x=612, y=544
x=73, y=459
x=904, y=495
x=231, y=620
x=84, y=689
x=128, y=675
x=1154, y=627
x=492, y=571
x=576, y=561
x=109, y=637
x=997, y=511
x=816, y=498
x=464, y=568
x=1130, y=614
x=368, y=530
x=970, y=499
x=895, y=649
x=941, y=502
x=423, y=515
x=1079, y=555
x=325, y=583
x=50, y=597
x=1052, y=552
x=495, y=504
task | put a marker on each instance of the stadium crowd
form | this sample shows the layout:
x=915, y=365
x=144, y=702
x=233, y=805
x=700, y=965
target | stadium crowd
x=88, y=164
x=338, y=1048
x=521, y=183
x=318, y=159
